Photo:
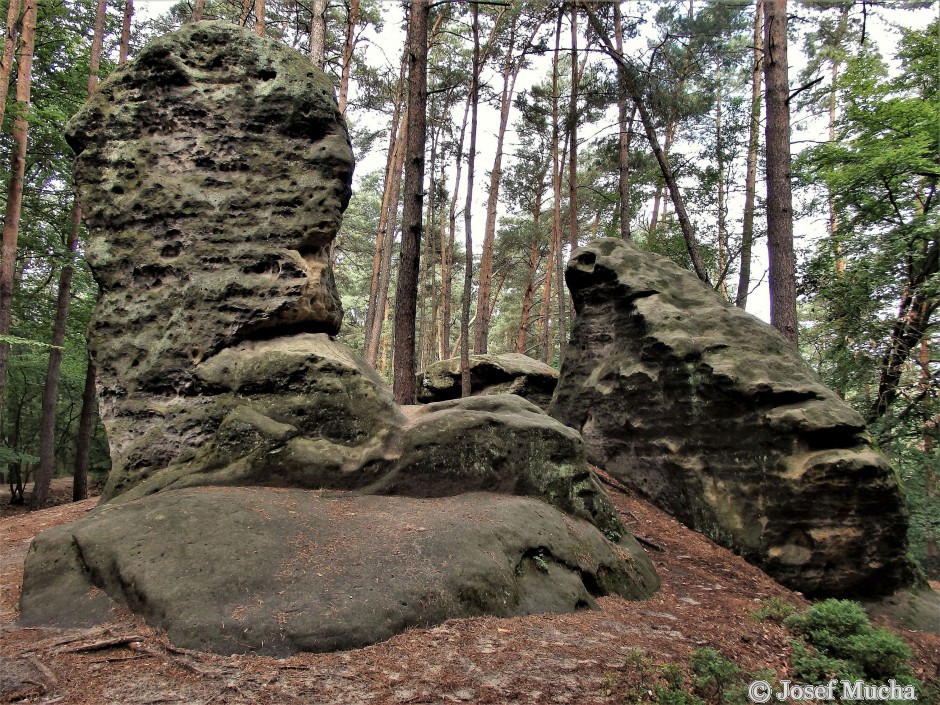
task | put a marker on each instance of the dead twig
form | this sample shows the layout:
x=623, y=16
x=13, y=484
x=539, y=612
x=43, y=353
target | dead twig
x=650, y=544
x=102, y=644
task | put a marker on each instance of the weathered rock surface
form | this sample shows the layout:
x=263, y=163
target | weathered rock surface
x=508, y=373
x=237, y=570
x=712, y=415
x=213, y=172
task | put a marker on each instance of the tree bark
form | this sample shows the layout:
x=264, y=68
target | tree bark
x=259, y=17
x=779, y=195
x=753, y=142
x=86, y=423
x=318, y=33
x=410, y=255
x=126, y=32
x=199, y=10
x=636, y=96
x=349, y=47
x=9, y=47
x=46, y=468
x=626, y=132
x=465, y=388
x=11, y=221
x=557, y=168
x=530, y=279
x=573, y=136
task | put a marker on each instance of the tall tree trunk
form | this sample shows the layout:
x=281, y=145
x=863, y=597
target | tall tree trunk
x=557, y=168
x=573, y=135
x=199, y=11
x=465, y=388
x=9, y=48
x=86, y=422
x=11, y=221
x=447, y=284
x=779, y=195
x=126, y=31
x=349, y=47
x=545, y=310
x=753, y=142
x=688, y=234
x=46, y=468
x=484, y=292
x=722, y=219
x=318, y=33
x=259, y=17
x=626, y=132
x=410, y=254
x=530, y=279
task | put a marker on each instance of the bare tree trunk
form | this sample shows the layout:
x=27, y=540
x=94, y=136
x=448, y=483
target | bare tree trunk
x=779, y=195
x=410, y=254
x=349, y=47
x=722, y=215
x=318, y=33
x=685, y=224
x=259, y=17
x=750, y=181
x=46, y=468
x=11, y=221
x=199, y=10
x=530, y=279
x=126, y=31
x=557, y=169
x=468, y=208
x=9, y=47
x=573, y=136
x=546, y=307
x=626, y=132
x=86, y=422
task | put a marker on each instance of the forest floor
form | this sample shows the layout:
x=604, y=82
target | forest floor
x=708, y=598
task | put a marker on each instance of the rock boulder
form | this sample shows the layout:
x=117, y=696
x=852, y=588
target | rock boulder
x=507, y=373
x=712, y=415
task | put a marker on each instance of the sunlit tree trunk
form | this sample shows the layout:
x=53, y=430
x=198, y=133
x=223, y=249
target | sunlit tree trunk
x=259, y=17
x=9, y=48
x=529, y=292
x=349, y=47
x=199, y=10
x=318, y=33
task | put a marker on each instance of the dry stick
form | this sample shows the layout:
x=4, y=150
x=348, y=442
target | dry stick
x=102, y=644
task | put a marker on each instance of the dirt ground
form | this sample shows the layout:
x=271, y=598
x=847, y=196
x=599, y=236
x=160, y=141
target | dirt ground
x=708, y=597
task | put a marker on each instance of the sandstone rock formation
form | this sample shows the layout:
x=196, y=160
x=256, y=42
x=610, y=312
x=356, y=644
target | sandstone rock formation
x=273, y=572
x=508, y=373
x=710, y=413
x=213, y=173
x=267, y=494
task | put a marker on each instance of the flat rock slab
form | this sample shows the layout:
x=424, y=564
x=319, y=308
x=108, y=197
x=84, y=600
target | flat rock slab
x=238, y=570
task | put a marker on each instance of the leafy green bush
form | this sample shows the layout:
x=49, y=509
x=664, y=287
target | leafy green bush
x=840, y=643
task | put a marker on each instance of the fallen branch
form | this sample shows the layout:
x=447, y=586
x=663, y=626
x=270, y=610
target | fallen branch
x=102, y=644
x=650, y=544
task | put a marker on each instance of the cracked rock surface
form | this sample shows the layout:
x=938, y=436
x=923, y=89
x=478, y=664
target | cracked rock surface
x=712, y=415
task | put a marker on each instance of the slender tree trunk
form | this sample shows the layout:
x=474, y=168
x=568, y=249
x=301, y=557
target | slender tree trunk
x=86, y=422
x=349, y=47
x=410, y=255
x=779, y=196
x=626, y=131
x=126, y=31
x=753, y=142
x=452, y=230
x=573, y=135
x=259, y=17
x=465, y=388
x=246, y=12
x=636, y=96
x=318, y=33
x=545, y=308
x=11, y=221
x=557, y=168
x=722, y=219
x=199, y=11
x=9, y=48
x=530, y=279
x=46, y=468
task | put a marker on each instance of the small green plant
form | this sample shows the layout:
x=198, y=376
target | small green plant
x=612, y=535
x=773, y=610
x=541, y=561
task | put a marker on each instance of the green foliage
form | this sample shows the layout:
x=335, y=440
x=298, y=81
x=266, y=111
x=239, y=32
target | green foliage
x=838, y=642
x=773, y=610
